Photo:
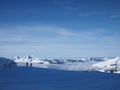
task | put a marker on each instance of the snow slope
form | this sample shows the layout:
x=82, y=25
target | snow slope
x=31, y=78
x=110, y=64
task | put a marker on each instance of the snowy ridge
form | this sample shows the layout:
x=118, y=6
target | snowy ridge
x=110, y=64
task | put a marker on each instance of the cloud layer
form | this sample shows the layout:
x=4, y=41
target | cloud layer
x=57, y=41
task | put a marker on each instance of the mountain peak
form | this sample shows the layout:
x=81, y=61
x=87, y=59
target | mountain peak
x=30, y=57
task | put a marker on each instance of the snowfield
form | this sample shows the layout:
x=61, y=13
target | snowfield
x=31, y=78
x=110, y=64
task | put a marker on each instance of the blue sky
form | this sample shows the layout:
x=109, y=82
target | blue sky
x=60, y=28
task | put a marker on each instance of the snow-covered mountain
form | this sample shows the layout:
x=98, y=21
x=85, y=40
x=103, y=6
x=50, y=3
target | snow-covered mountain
x=109, y=64
x=31, y=58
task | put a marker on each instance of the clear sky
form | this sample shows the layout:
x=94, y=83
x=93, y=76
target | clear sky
x=60, y=28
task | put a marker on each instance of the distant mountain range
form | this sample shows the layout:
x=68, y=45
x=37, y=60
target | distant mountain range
x=102, y=64
x=58, y=60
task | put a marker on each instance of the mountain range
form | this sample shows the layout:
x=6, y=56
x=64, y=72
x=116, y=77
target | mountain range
x=102, y=64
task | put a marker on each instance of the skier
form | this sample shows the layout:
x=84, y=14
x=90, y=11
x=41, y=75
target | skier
x=27, y=64
x=31, y=64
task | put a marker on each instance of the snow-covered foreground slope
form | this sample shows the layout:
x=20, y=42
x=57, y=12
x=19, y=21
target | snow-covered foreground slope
x=30, y=78
x=110, y=64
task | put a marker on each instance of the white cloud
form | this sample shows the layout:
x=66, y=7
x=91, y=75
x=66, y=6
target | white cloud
x=55, y=41
x=28, y=33
x=47, y=33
